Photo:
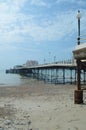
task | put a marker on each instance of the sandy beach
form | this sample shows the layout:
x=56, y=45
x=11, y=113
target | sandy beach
x=40, y=106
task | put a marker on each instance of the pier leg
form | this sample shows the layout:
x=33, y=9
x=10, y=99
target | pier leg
x=78, y=96
x=78, y=74
x=63, y=75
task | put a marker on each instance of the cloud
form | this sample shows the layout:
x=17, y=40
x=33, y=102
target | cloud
x=52, y=30
x=10, y=19
x=18, y=27
x=38, y=2
x=72, y=1
x=10, y=11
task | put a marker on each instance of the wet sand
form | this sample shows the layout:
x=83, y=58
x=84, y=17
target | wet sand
x=39, y=106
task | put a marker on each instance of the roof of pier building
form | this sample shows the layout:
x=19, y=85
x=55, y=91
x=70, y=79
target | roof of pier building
x=80, y=51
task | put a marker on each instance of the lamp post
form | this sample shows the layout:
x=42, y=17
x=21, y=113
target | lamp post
x=78, y=17
x=78, y=94
x=78, y=60
x=54, y=59
x=44, y=61
x=49, y=57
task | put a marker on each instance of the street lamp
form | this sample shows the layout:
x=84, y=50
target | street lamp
x=49, y=57
x=78, y=94
x=78, y=17
x=54, y=59
x=44, y=61
x=78, y=60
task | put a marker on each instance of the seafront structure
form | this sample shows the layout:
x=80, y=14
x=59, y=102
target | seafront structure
x=58, y=73
x=80, y=56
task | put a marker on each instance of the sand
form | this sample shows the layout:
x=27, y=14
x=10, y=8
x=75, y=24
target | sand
x=40, y=106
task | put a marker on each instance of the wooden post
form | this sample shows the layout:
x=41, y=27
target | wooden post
x=71, y=76
x=63, y=75
x=56, y=76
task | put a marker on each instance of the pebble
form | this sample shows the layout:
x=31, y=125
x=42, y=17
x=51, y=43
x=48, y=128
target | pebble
x=8, y=122
x=15, y=124
x=20, y=121
x=1, y=128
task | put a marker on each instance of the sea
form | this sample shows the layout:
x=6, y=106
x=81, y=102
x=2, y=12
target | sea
x=12, y=79
x=9, y=79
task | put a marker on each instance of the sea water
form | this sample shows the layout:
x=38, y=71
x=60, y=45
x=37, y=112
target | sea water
x=8, y=79
x=12, y=79
x=17, y=80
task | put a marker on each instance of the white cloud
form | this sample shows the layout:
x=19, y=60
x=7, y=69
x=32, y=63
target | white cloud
x=15, y=32
x=38, y=2
x=79, y=2
x=16, y=26
x=59, y=1
x=60, y=27
x=10, y=19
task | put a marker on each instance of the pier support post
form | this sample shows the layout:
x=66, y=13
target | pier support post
x=78, y=74
x=78, y=94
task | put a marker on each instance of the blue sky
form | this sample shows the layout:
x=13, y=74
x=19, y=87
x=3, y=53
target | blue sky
x=38, y=30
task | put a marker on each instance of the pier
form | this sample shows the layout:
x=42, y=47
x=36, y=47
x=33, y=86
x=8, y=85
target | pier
x=57, y=73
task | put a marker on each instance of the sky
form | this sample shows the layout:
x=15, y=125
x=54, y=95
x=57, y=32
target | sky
x=42, y=30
